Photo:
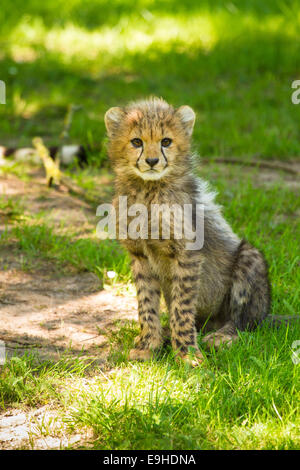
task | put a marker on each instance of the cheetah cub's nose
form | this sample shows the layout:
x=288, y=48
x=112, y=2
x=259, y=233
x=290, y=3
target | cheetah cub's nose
x=152, y=161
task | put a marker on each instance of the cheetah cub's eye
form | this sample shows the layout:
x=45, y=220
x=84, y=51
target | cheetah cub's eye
x=137, y=142
x=166, y=142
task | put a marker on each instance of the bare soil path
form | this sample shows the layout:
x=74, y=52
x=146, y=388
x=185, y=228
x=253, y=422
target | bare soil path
x=50, y=314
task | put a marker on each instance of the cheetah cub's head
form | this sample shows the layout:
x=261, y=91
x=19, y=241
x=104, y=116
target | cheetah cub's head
x=149, y=139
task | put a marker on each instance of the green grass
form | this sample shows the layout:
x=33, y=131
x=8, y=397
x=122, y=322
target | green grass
x=243, y=398
x=27, y=381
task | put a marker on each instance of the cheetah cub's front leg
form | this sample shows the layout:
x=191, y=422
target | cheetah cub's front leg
x=185, y=282
x=148, y=295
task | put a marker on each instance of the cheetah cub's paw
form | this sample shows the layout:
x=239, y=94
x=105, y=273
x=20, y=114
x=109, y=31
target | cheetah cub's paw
x=140, y=354
x=193, y=359
x=218, y=339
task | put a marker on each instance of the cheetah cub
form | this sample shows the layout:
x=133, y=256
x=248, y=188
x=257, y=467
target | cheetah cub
x=220, y=287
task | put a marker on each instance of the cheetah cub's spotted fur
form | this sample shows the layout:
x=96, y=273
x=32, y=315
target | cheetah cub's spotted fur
x=221, y=287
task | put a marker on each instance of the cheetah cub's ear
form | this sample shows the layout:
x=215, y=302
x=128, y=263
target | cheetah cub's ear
x=112, y=119
x=187, y=117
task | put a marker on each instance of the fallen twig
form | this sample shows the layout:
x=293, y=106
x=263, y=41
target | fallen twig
x=253, y=162
x=68, y=121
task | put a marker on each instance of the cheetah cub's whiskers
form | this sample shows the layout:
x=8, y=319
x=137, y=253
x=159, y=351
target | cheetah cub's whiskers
x=221, y=287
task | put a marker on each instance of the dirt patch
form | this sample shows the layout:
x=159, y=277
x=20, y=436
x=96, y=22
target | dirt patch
x=41, y=310
x=38, y=429
x=53, y=315
x=259, y=176
x=268, y=177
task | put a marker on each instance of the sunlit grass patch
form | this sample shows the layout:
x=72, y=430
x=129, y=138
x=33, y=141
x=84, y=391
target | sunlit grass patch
x=244, y=397
x=137, y=31
x=160, y=405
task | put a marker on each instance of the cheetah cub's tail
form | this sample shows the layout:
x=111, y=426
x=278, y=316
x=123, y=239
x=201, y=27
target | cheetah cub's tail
x=250, y=291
